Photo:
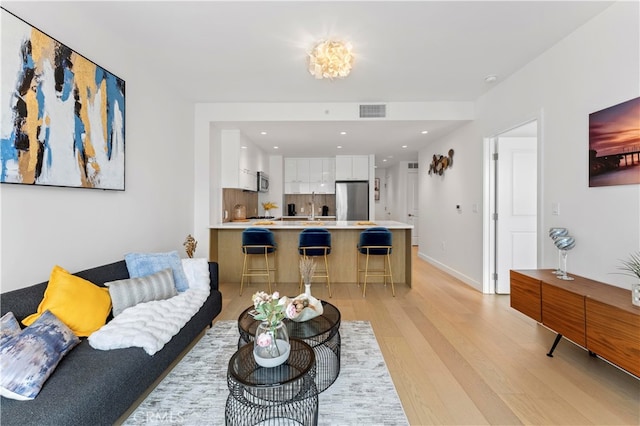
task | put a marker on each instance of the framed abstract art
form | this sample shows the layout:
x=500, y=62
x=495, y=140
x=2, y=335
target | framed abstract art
x=63, y=116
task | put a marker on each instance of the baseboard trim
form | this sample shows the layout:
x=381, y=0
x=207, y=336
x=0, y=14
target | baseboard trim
x=462, y=277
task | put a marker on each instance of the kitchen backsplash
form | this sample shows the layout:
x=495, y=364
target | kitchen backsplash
x=304, y=200
x=232, y=197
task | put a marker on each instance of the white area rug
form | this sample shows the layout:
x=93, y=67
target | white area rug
x=195, y=391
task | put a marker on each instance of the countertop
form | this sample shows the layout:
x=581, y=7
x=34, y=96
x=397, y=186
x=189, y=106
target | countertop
x=304, y=217
x=301, y=224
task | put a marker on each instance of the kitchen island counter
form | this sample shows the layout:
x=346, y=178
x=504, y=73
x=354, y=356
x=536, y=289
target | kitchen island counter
x=226, y=249
x=303, y=223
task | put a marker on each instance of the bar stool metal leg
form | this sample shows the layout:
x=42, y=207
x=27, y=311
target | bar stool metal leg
x=384, y=273
x=244, y=272
x=393, y=289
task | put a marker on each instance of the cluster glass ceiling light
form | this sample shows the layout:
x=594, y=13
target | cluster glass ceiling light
x=331, y=59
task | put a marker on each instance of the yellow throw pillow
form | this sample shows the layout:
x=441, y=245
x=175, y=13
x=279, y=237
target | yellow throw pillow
x=80, y=304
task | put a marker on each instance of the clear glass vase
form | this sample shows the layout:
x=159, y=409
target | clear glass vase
x=271, y=344
x=635, y=294
x=563, y=275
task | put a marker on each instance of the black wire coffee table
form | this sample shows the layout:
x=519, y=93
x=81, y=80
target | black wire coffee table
x=281, y=395
x=322, y=333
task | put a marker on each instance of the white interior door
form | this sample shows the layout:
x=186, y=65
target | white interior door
x=516, y=227
x=412, y=204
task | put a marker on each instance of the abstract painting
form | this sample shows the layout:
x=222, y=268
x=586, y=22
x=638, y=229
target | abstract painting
x=614, y=145
x=63, y=116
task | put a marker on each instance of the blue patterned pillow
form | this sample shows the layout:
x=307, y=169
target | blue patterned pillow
x=27, y=359
x=143, y=264
x=9, y=326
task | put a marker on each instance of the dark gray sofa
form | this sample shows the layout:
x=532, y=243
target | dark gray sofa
x=93, y=387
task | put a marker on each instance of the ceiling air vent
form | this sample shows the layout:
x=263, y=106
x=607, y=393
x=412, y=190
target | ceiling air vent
x=373, y=111
x=413, y=165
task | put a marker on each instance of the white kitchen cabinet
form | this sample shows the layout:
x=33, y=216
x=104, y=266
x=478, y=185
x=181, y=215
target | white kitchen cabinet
x=352, y=167
x=302, y=169
x=296, y=176
x=240, y=161
x=307, y=175
x=322, y=177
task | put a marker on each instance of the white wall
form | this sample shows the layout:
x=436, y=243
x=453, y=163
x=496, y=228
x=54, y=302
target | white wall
x=449, y=239
x=380, y=212
x=595, y=67
x=81, y=228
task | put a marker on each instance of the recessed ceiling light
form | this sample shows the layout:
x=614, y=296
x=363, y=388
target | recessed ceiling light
x=384, y=159
x=275, y=147
x=343, y=133
x=339, y=147
x=404, y=146
x=491, y=78
x=424, y=132
x=263, y=133
x=243, y=147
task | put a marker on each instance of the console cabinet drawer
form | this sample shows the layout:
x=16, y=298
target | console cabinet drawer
x=613, y=334
x=525, y=295
x=563, y=312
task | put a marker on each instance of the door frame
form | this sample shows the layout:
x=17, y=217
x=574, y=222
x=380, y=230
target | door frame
x=489, y=185
x=415, y=232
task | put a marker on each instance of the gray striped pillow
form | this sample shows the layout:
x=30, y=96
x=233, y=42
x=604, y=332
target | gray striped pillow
x=127, y=293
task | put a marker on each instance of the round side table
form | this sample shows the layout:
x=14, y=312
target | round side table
x=285, y=394
x=322, y=333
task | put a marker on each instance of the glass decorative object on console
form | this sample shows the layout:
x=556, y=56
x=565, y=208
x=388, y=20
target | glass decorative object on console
x=631, y=267
x=556, y=233
x=565, y=244
x=635, y=294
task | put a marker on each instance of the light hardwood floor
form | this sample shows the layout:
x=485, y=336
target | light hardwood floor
x=457, y=356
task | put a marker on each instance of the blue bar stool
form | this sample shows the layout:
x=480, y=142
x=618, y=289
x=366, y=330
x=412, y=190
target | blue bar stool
x=376, y=241
x=258, y=241
x=315, y=242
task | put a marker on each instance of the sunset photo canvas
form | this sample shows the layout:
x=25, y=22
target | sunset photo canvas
x=614, y=145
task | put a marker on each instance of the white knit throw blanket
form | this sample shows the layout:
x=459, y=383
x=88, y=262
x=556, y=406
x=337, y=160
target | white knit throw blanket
x=149, y=325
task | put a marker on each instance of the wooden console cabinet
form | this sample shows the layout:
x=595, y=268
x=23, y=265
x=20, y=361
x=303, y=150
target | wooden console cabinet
x=597, y=316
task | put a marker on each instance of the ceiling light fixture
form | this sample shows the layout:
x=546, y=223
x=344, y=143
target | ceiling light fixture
x=343, y=133
x=330, y=59
x=263, y=133
x=424, y=132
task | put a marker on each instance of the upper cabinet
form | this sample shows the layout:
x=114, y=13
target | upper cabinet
x=241, y=161
x=322, y=175
x=352, y=167
x=307, y=175
x=296, y=176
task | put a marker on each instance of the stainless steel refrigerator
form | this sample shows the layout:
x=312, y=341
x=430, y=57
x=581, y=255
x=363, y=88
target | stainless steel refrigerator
x=352, y=200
